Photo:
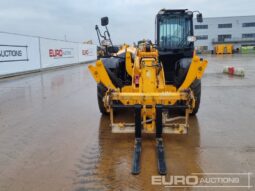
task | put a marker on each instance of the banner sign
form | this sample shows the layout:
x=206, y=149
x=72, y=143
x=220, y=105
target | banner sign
x=87, y=52
x=11, y=53
x=61, y=53
x=58, y=53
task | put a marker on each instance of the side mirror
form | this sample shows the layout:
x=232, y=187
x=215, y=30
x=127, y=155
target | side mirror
x=199, y=18
x=104, y=21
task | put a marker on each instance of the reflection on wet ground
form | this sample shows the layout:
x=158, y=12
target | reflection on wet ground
x=52, y=136
x=107, y=164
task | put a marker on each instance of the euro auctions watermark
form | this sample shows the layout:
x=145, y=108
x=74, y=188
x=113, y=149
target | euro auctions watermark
x=205, y=180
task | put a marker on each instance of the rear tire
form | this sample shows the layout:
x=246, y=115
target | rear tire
x=196, y=88
x=101, y=90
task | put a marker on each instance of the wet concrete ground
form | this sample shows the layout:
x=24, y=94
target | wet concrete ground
x=52, y=136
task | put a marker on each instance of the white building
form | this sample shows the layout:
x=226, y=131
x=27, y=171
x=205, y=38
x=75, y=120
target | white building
x=237, y=30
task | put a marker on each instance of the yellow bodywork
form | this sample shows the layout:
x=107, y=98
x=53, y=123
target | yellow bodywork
x=148, y=85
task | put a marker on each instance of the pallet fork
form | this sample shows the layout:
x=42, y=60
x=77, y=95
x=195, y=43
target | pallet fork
x=161, y=164
x=138, y=141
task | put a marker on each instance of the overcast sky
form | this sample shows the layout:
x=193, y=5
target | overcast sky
x=129, y=20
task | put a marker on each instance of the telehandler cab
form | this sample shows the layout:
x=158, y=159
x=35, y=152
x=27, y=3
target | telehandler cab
x=155, y=80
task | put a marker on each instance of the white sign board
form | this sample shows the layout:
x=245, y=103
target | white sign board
x=18, y=53
x=57, y=53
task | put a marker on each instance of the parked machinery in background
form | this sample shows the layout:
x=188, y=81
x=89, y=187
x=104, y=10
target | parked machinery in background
x=223, y=49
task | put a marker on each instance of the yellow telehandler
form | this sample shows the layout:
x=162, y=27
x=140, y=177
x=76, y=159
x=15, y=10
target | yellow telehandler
x=155, y=80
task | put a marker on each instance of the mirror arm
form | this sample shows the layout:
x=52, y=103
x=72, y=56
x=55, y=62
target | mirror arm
x=98, y=34
x=98, y=38
x=196, y=12
x=107, y=32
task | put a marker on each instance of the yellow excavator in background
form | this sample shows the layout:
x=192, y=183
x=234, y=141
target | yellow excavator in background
x=155, y=80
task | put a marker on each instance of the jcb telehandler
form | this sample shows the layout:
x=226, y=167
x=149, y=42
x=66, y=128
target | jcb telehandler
x=155, y=80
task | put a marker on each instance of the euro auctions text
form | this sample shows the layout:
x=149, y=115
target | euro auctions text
x=237, y=180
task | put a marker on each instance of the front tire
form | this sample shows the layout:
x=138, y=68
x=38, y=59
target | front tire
x=196, y=88
x=101, y=90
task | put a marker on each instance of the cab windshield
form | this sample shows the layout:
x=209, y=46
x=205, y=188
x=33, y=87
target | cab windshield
x=174, y=31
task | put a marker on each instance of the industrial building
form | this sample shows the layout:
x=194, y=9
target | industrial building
x=236, y=30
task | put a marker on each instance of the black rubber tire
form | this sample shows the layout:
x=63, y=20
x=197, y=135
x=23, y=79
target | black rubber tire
x=101, y=90
x=196, y=88
x=115, y=80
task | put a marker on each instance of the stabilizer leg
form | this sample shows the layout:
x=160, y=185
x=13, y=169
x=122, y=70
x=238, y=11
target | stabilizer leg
x=138, y=141
x=159, y=142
